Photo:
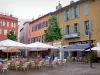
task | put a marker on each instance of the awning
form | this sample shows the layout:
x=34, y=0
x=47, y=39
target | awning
x=76, y=47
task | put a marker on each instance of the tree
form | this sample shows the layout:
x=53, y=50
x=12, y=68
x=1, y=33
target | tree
x=11, y=36
x=53, y=32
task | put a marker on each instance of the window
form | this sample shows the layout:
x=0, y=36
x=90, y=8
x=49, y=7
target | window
x=32, y=40
x=4, y=23
x=87, y=27
x=5, y=32
x=36, y=39
x=39, y=39
x=75, y=12
x=39, y=26
x=7, y=24
x=68, y=29
x=0, y=31
x=0, y=23
x=67, y=15
x=14, y=25
x=46, y=23
x=34, y=28
x=75, y=28
x=43, y=24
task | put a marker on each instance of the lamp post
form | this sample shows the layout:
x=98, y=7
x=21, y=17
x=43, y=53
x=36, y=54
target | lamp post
x=90, y=48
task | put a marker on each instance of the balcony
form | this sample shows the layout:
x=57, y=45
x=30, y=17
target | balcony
x=72, y=35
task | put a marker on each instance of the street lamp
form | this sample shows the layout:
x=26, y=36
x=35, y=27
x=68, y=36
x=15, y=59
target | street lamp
x=90, y=47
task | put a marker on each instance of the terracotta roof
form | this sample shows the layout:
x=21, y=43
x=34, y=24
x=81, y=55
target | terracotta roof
x=42, y=17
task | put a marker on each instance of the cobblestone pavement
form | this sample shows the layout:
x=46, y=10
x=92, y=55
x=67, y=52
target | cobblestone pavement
x=69, y=69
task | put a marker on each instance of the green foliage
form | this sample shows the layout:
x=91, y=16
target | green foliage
x=87, y=59
x=11, y=36
x=53, y=31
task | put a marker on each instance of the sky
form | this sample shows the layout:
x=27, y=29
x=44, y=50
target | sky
x=28, y=9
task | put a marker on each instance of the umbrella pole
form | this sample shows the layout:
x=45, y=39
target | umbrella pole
x=7, y=53
x=11, y=52
x=37, y=53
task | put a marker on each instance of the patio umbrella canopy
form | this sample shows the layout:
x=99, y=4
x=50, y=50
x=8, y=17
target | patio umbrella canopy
x=10, y=43
x=12, y=50
x=39, y=46
x=94, y=48
x=2, y=48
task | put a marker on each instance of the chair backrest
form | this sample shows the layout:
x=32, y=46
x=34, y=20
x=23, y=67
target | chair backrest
x=5, y=66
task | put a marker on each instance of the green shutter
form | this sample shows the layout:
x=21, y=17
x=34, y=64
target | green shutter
x=69, y=29
x=86, y=9
x=90, y=26
x=73, y=16
x=65, y=16
x=69, y=14
x=78, y=11
x=57, y=19
x=83, y=30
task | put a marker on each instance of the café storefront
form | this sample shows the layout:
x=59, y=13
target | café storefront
x=78, y=48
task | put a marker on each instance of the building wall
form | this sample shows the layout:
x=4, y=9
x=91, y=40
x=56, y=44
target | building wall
x=9, y=20
x=22, y=35
x=21, y=26
x=93, y=14
x=39, y=32
x=26, y=33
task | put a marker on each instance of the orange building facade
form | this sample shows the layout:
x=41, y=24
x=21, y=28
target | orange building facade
x=37, y=28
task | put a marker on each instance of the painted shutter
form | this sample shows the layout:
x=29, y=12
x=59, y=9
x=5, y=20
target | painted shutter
x=78, y=11
x=57, y=19
x=73, y=16
x=69, y=14
x=83, y=30
x=90, y=26
x=78, y=28
x=69, y=29
x=65, y=16
x=86, y=9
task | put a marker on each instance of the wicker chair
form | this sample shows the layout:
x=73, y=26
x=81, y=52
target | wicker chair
x=24, y=66
x=40, y=64
x=17, y=65
x=5, y=67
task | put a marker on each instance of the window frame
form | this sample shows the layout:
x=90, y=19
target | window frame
x=76, y=26
x=86, y=23
x=68, y=29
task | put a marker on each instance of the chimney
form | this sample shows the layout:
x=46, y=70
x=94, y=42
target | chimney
x=71, y=2
x=59, y=6
x=33, y=19
x=11, y=15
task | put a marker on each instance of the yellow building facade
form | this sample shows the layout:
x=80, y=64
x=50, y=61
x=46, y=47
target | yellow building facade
x=85, y=21
x=78, y=20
